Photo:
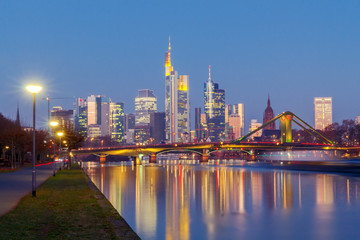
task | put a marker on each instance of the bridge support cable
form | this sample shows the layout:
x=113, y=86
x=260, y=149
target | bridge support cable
x=322, y=136
x=286, y=130
x=256, y=130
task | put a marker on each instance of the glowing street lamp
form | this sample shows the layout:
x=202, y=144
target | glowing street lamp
x=54, y=124
x=34, y=89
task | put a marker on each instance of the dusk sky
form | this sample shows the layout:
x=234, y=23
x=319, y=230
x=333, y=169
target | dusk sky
x=292, y=50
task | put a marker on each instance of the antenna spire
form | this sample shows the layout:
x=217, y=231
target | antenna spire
x=169, y=44
x=209, y=73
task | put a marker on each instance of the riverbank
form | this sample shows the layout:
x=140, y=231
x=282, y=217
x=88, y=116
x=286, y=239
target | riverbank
x=67, y=206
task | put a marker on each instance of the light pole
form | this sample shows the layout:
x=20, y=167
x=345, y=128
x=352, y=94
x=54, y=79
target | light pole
x=34, y=89
x=54, y=124
x=60, y=134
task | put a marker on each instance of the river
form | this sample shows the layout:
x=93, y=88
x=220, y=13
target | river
x=230, y=200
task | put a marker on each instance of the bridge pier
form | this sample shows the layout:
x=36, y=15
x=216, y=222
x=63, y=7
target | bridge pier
x=102, y=158
x=152, y=158
x=205, y=156
x=138, y=160
x=285, y=126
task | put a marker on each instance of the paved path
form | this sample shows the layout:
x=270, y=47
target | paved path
x=16, y=185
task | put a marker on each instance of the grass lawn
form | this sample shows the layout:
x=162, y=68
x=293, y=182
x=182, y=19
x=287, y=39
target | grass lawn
x=65, y=208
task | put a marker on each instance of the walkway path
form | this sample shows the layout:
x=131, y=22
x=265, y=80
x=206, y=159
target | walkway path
x=15, y=185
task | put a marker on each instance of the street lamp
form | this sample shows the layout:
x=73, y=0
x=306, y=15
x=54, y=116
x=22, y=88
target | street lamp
x=60, y=134
x=54, y=124
x=34, y=89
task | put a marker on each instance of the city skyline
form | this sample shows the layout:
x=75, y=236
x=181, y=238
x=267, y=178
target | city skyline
x=292, y=51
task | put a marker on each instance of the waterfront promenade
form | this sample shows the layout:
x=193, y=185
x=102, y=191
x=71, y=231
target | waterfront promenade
x=16, y=185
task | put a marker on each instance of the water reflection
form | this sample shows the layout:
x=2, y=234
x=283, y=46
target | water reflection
x=212, y=202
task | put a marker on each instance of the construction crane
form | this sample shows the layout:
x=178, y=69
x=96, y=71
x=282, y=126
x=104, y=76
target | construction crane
x=48, y=100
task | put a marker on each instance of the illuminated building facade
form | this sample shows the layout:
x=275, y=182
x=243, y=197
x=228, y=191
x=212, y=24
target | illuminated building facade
x=268, y=115
x=142, y=134
x=322, y=112
x=65, y=118
x=130, y=128
x=106, y=116
x=214, y=99
x=80, y=116
x=239, y=129
x=145, y=103
x=254, y=124
x=228, y=111
x=117, y=128
x=177, y=102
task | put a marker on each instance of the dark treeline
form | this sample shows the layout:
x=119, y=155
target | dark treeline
x=16, y=143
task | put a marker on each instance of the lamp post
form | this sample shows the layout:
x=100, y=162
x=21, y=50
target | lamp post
x=54, y=124
x=60, y=134
x=34, y=89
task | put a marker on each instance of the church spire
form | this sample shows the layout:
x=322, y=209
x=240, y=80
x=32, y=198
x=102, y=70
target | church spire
x=17, y=121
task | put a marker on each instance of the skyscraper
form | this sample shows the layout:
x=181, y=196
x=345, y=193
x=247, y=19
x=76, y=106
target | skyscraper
x=80, y=116
x=177, y=102
x=145, y=103
x=157, y=127
x=239, y=110
x=268, y=115
x=65, y=118
x=214, y=100
x=117, y=128
x=98, y=114
x=322, y=112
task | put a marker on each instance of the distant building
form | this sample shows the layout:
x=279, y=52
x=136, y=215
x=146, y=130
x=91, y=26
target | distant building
x=214, y=101
x=268, y=115
x=228, y=112
x=322, y=112
x=142, y=134
x=357, y=120
x=234, y=124
x=145, y=103
x=239, y=109
x=94, y=131
x=65, y=118
x=254, y=124
x=117, y=128
x=129, y=121
x=130, y=136
x=157, y=127
x=80, y=116
x=98, y=113
x=177, y=102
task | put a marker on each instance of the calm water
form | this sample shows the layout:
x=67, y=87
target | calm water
x=237, y=201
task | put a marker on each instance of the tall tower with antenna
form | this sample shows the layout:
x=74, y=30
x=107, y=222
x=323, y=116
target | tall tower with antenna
x=177, y=103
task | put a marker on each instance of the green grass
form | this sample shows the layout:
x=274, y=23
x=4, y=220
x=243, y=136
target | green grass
x=65, y=208
x=6, y=170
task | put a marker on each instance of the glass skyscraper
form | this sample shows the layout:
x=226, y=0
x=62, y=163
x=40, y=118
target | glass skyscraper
x=117, y=128
x=177, y=103
x=214, y=103
x=322, y=112
x=145, y=103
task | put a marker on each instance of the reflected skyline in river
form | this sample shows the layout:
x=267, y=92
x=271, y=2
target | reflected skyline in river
x=175, y=201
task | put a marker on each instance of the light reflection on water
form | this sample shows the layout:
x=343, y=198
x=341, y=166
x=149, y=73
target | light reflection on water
x=176, y=201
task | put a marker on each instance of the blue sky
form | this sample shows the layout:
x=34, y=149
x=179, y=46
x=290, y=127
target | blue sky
x=292, y=50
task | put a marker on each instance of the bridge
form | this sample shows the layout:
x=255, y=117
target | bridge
x=204, y=149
